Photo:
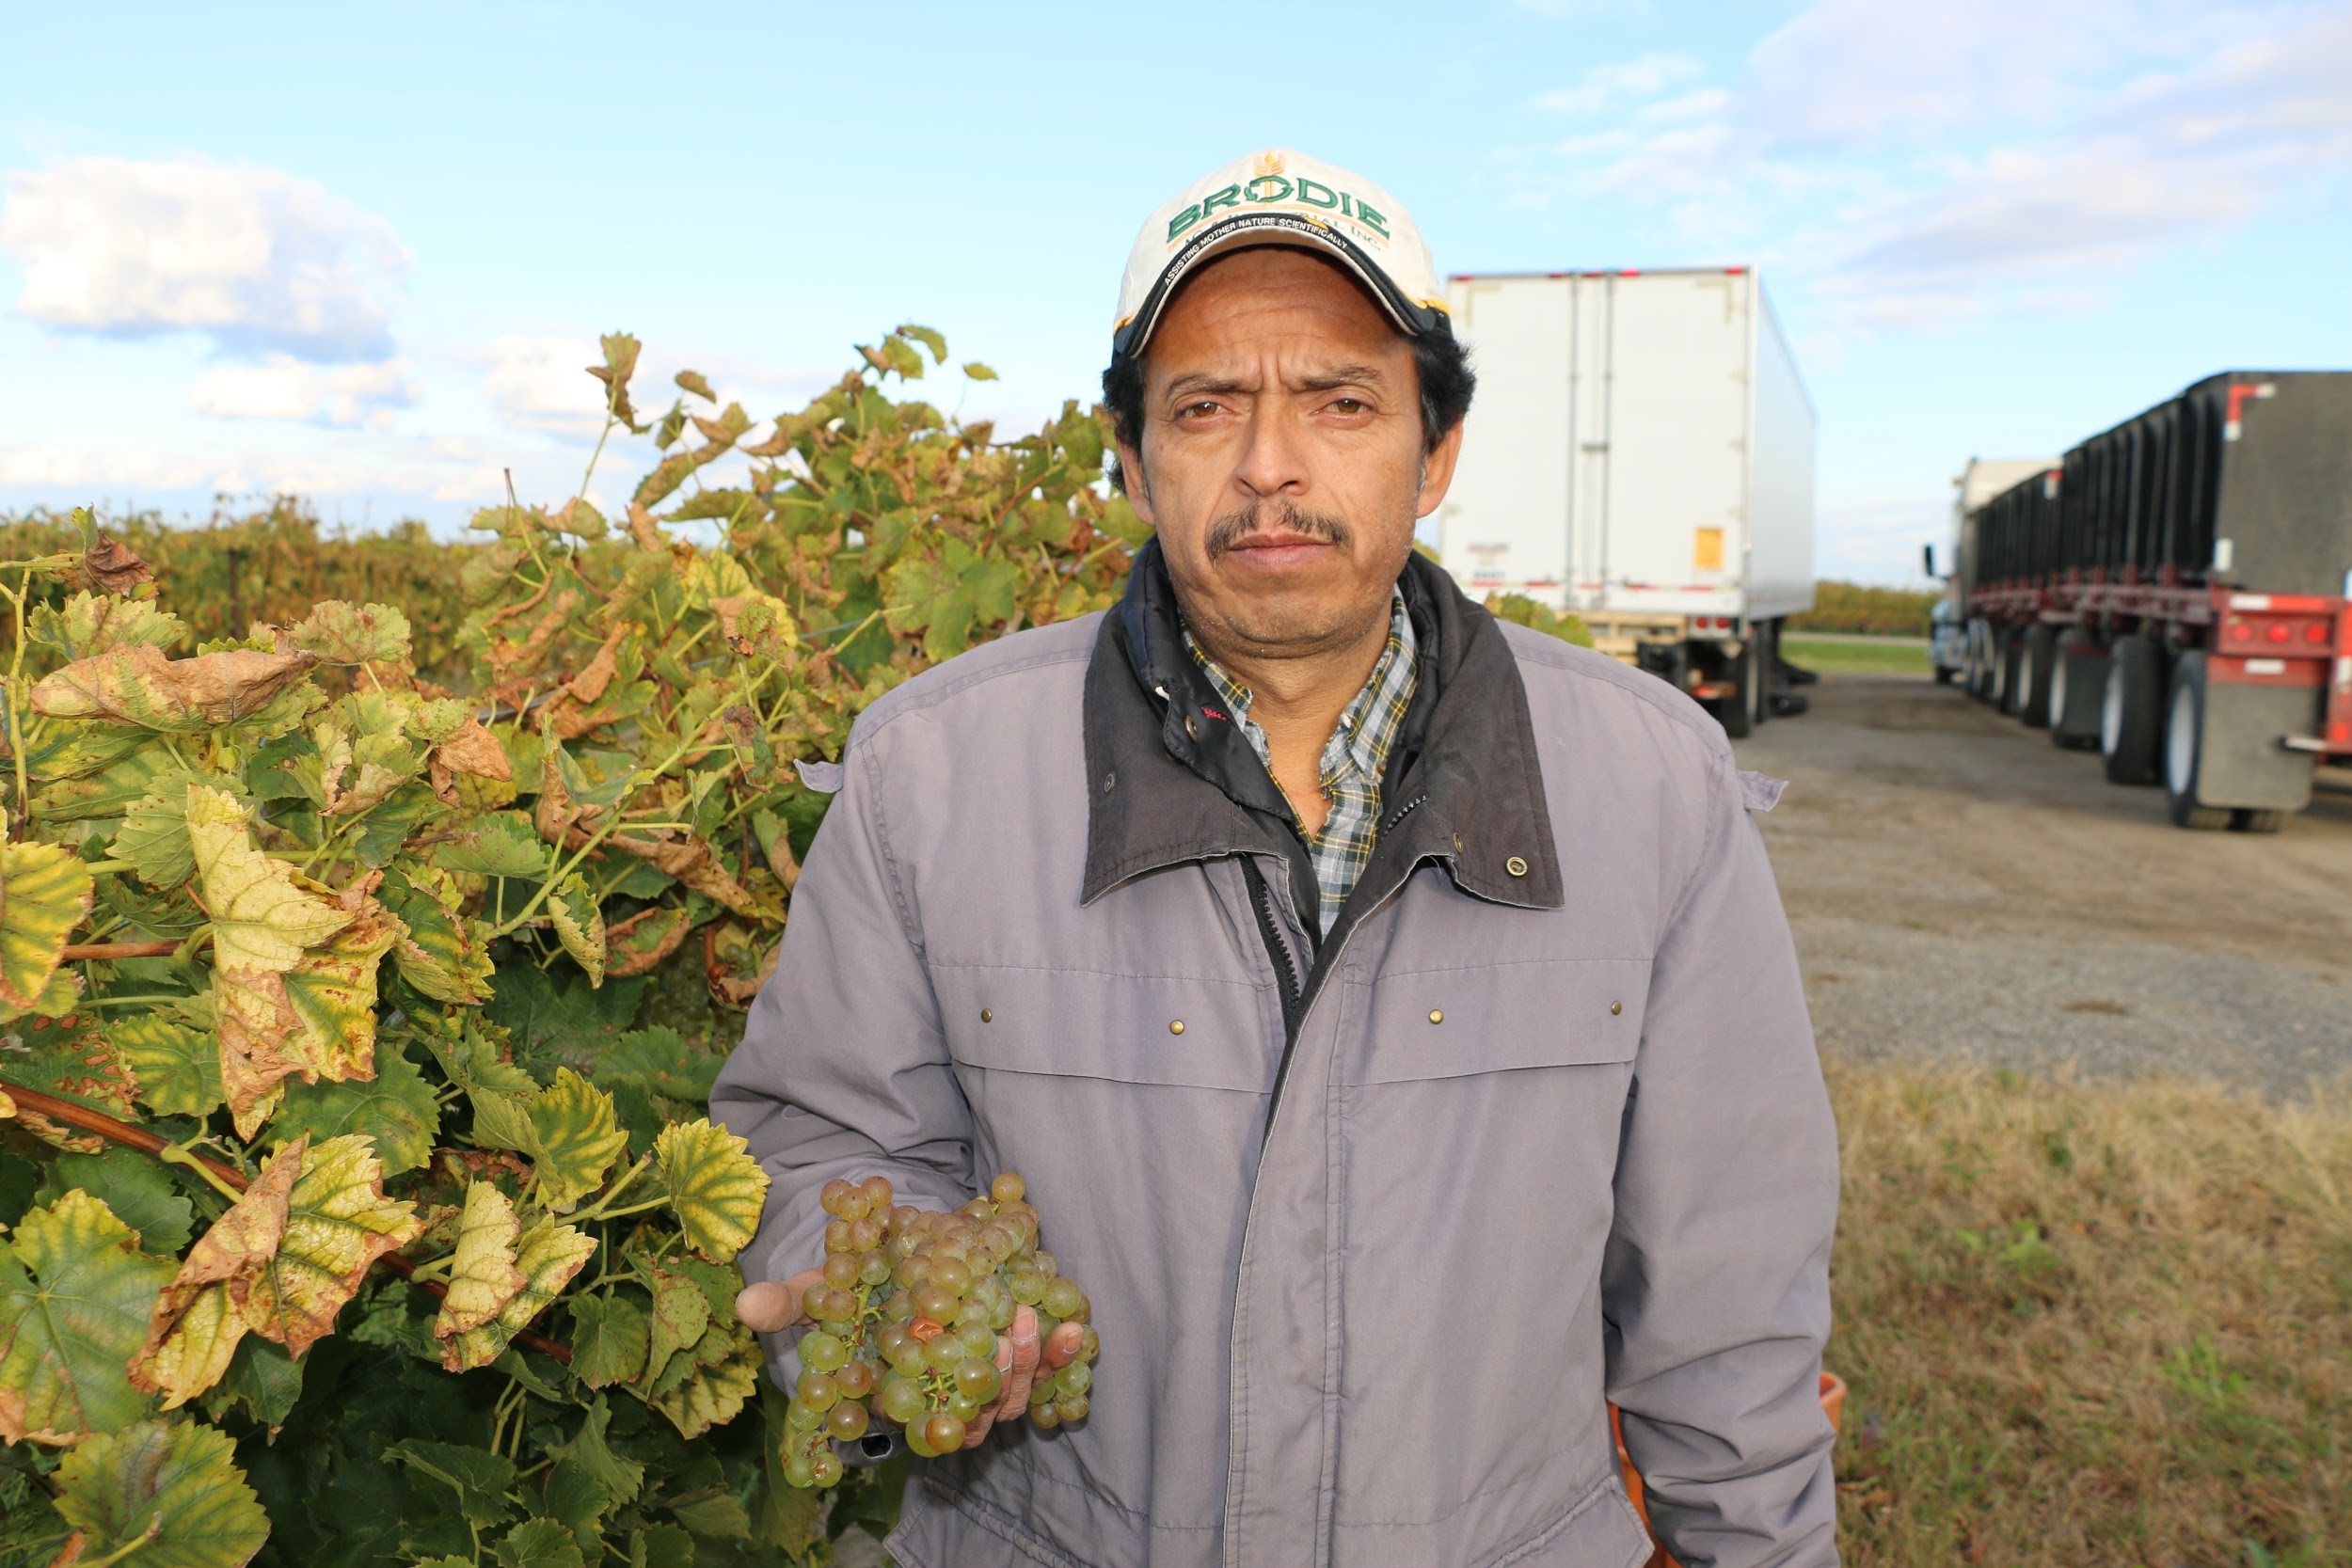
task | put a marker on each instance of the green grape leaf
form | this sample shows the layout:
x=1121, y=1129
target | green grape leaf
x=548, y=1255
x=480, y=1480
x=176, y=1063
x=154, y=837
x=714, y=1514
x=262, y=1378
x=580, y=923
x=575, y=1139
x=89, y=623
x=716, y=1187
x=712, y=1395
x=74, y=1296
x=540, y=1544
x=681, y=1315
x=137, y=685
x=501, y=843
x=661, y=1061
x=441, y=954
x=609, y=1340
x=979, y=371
x=151, y=769
x=77, y=1063
x=574, y=1500
x=138, y=1190
x=946, y=596
x=481, y=1273
x=396, y=1110
x=660, y=1547
x=44, y=892
x=620, y=1478
x=163, y=1494
x=340, y=633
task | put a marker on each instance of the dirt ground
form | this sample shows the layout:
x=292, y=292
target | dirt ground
x=1962, y=888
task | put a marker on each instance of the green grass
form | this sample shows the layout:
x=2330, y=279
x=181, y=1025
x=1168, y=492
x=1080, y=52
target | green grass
x=1866, y=657
x=2091, y=1324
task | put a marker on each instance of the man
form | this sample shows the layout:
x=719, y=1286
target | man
x=1391, y=1011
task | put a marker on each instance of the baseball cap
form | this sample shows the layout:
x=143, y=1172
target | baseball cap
x=1280, y=197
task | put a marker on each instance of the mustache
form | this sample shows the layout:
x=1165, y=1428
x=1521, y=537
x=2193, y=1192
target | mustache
x=1286, y=516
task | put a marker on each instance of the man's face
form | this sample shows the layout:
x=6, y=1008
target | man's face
x=1282, y=460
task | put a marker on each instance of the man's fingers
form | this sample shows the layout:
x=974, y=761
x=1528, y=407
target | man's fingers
x=1061, y=1346
x=769, y=1307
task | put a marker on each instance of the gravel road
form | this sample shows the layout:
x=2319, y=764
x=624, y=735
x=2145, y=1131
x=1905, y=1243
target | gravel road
x=1963, y=889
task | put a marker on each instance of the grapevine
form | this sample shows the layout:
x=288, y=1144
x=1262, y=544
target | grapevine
x=366, y=961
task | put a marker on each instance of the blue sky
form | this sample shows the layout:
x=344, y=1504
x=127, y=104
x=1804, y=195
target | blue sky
x=359, y=252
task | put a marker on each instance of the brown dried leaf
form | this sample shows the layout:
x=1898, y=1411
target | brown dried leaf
x=137, y=685
x=644, y=938
x=194, y=1328
x=471, y=750
x=109, y=565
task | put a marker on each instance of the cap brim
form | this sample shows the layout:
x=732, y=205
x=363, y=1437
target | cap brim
x=1245, y=229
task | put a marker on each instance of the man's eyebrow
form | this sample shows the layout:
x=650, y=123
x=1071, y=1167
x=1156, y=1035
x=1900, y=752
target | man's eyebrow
x=1344, y=375
x=1200, y=381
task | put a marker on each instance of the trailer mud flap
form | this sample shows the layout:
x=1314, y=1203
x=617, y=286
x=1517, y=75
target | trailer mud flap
x=2242, y=762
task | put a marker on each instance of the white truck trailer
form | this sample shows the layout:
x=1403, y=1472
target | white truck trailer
x=1640, y=453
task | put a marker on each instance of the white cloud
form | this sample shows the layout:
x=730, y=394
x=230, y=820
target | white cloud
x=256, y=258
x=286, y=388
x=543, y=384
x=1605, y=87
x=64, y=469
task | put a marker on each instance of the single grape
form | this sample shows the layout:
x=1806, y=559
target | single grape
x=799, y=1471
x=856, y=1379
x=1074, y=1379
x=853, y=1205
x=964, y=1407
x=1072, y=1409
x=842, y=1268
x=1008, y=1188
x=873, y=1271
x=837, y=1236
x=936, y=1302
x=944, y=1431
x=952, y=1275
x=979, y=1209
x=978, y=1339
x=1027, y=1285
x=878, y=1194
x=1044, y=1415
x=978, y=1378
x=846, y=1422
x=918, y=1444
x=822, y=1353
x=799, y=1418
x=1046, y=1263
x=1089, y=1344
x=829, y=1197
x=902, y=1400
x=1063, y=1298
x=818, y=1392
x=941, y=1355
x=836, y=1305
x=1041, y=1391
x=907, y=1356
x=898, y=1307
x=865, y=1234
x=824, y=1467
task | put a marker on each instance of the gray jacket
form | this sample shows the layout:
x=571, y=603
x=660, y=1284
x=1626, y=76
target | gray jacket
x=1371, y=1225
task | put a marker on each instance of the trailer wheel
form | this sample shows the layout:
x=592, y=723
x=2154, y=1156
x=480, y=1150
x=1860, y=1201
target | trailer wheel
x=2034, y=666
x=2249, y=820
x=1738, y=711
x=2078, y=672
x=1979, y=657
x=2184, y=747
x=2009, y=653
x=2131, y=712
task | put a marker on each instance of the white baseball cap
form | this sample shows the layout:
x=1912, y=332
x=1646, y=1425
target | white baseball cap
x=1280, y=197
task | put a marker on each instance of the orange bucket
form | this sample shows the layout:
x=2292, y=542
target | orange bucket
x=1833, y=1405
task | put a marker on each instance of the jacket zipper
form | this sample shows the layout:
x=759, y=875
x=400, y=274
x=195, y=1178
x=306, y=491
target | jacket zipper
x=1286, y=967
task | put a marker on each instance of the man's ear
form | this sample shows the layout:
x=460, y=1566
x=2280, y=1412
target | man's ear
x=1138, y=489
x=1437, y=470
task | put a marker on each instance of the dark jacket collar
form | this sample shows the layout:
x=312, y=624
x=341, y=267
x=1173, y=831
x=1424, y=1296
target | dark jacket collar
x=1169, y=779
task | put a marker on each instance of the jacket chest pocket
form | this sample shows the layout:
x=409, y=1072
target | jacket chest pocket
x=1432, y=1024
x=1178, y=1031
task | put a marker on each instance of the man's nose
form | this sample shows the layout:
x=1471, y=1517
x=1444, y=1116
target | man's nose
x=1274, y=462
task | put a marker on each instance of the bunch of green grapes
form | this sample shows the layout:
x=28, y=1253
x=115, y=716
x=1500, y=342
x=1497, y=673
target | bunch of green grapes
x=907, y=1317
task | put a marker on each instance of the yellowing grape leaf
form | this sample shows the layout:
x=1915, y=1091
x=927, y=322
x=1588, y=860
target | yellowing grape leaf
x=160, y=1495
x=575, y=1138
x=441, y=954
x=91, y=624
x=481, y=1273
x=332, y=991
x=154, y=837
x=681, y=1316
x=579, y=917
x=340, y=633
x=338, y=1222
x=177, y=1065
x=134, y=684
x=716, y=1188
x=262, y=918
x=471, y=750
x=74, y=1296
x=712, y=1394
x=44, y=892
x=548, y=1255
x=195, y=1323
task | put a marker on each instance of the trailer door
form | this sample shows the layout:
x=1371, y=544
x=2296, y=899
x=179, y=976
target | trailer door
x=1504, y=524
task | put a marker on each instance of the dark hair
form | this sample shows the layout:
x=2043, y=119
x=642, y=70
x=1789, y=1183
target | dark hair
x=1441, y=367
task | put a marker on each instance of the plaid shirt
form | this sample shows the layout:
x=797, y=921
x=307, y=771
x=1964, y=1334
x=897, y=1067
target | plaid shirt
x=1354, y=759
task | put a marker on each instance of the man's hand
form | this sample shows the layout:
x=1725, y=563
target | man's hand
x=1018, y=1359
x=769, y=1308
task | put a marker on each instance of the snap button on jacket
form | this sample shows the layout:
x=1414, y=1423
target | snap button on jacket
x=1363, y=1285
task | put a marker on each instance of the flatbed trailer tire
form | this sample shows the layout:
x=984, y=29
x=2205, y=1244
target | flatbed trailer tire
x=2184, y=746
x=2009, y=645
x=2036, y=657
x=2132, y=712
x=2078, y=676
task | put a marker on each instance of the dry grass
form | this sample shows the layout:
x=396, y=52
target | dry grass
x=2092, y=1324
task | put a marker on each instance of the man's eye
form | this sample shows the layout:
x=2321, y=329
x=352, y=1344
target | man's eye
x=1193, y=411
x=1347, y=406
